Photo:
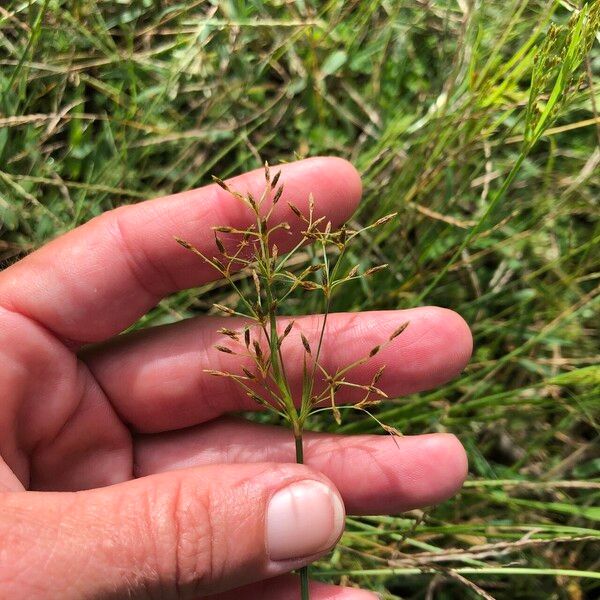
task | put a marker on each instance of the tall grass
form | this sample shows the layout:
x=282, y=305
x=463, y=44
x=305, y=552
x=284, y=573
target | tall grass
x=489, y=155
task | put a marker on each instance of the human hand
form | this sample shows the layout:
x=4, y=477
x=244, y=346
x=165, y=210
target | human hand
x=122, y=476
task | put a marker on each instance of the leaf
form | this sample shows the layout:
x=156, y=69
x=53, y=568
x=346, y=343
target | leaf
x=333, y=62
x=585, y=376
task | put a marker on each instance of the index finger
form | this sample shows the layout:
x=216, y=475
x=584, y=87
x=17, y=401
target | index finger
x=96, y=280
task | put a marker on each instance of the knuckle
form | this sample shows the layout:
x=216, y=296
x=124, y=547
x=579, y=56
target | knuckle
x=183, y=537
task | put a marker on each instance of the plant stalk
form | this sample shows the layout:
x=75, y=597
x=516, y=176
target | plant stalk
x=304, y=593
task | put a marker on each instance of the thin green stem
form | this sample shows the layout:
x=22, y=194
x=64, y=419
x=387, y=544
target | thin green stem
x=467, y=571
x=304, y=592
x=299, y=449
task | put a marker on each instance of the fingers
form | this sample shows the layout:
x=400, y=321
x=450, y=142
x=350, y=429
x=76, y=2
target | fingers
x=287, y=588
x=375, y=474
x=156, y=379
x=177, y=535
x=96, y=280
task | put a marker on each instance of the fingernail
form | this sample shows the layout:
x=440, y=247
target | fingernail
x=305, y=518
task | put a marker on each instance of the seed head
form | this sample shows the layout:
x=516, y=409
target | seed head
x=277, y=195
x=289, y=327
x=216, y=373
x=225, y=309
x=305, y=343
x=221, y=183
x=376, y=269
x=378, y=374
x=275, y=179
x=248, y=374
x=295, y=210
x=229, y=333
x=225, y=349
x=385, y=219
x=183, y=243
x=398, y=331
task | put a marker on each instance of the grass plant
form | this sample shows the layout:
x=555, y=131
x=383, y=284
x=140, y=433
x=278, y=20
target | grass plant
x=254, y=251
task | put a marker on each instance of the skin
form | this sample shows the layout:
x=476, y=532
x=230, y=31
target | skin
x=122, y=474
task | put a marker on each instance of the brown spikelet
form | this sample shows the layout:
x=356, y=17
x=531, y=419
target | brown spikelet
x=257, y=398
x=258, y=350
x=305, y=343
x=275, y=179
x=398, y=331
x=391, y=430
x=225, y=309
x=221, y=183
x=247, y=337
x=374, y=351
x=288, y=328
x=385, y=219
x=295, y=210
x=353, y=271
x=224, y=349
x=183, y=243
x=229, y=333
x=219, y=245
x=378, y=375
x=216, y=373
x=267, y=172
x=277, y=195
x=248, y=374
x=376, y=269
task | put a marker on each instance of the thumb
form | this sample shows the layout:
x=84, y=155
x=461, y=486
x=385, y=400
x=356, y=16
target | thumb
x=174, y=535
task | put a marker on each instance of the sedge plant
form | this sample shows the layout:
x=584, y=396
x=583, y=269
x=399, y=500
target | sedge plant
x=276, y=276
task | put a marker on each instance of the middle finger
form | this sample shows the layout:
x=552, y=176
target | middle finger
x=156, y=378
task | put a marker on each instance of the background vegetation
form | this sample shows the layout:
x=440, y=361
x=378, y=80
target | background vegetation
x=105, y=102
